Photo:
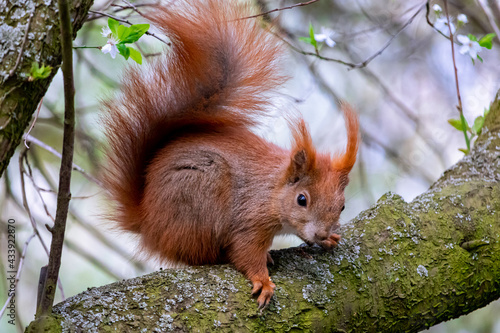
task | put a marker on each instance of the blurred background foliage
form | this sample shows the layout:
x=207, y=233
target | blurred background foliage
x=404, y=96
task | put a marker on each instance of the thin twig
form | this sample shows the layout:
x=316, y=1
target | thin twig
x=19, y=57
x=386, y=45
x=490, y=17
x=22, y=172
x=367, y=60
x=87, y=47
x=127, y=22
x=56, y=153
x=495, y=8
x=459, y=106
x=406, y=111
x=132, y=6
x=401, y=106
x=119, y=9
x=371, y=139
x=279, y=9
x=33, y=123
x=38, y=190
x=427, y=6
x=73, y=247
x=86, y=225
x=148, y=55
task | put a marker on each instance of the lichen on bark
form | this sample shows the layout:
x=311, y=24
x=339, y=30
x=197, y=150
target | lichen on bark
x=399, y=267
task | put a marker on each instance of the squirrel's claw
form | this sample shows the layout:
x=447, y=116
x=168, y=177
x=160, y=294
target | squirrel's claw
x=331, y=242
x=266, y=289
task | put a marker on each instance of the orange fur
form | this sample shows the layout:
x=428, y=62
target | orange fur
x=346, y=161
x=187, y=173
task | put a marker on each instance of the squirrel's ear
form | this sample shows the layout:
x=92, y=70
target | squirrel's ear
x=298, y=166
x=303, y=157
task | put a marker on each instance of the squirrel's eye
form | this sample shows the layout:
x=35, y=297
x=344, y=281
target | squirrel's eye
x=301, y=200
x=343, y=207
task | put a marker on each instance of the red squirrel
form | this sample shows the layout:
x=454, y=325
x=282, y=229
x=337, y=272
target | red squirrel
x=183, y=165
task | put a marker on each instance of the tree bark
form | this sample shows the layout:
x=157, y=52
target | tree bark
x=399, y=267
x=29, y=32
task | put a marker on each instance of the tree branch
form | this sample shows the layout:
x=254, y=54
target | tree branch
x=64, y=193
x=43, y=46
x=399, y=267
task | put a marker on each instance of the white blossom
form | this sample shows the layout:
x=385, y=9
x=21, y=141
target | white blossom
x=111, y=47
x=437, y=8
x=469, y=46
x=326, y=36
x=462, y=18
x=441, y=25
x=106, y=32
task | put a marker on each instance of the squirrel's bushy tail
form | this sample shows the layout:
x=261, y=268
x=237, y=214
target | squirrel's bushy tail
x=218, y=72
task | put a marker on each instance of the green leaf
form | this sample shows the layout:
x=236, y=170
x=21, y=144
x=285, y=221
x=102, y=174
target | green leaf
x=38, y=72
x=135, y=55
x=480, y=59
x=135, y=32
x=457, y=123
x=487, y=41
x=124, y=50
x=34, y=67
x=465, y=128
x=486, y=111
x=465, y=151
x=311, y=35
x=113, y=26
x=122, y=33
x=478, y=125
x=132, y=33
x=472, y=37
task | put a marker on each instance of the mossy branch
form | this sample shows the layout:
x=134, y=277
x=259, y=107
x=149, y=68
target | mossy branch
x=400, y=267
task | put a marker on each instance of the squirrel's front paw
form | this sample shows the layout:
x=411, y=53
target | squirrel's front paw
x=266, y=289
x=331, y=242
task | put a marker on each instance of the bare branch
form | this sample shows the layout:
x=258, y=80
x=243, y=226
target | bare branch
x=22, y=172
x=33, y=123
x=367, y=60
x=64, y=193
x=56, y=153
x=490, y=17
x=280, y=9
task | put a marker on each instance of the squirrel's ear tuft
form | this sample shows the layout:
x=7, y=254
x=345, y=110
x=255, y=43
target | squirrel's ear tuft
x=303, y=157
x=344, y=162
